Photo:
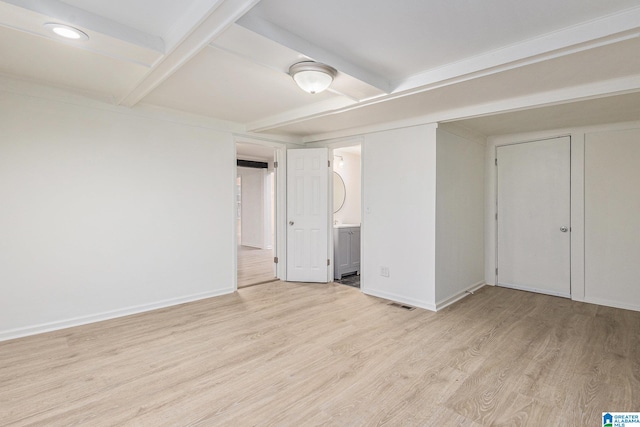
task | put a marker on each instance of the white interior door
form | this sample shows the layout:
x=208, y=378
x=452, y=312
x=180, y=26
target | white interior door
x=534, y=233
x=307, y=215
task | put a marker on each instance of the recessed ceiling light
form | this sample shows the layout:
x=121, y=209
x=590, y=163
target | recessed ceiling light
x=66, y=31
x=312, y=77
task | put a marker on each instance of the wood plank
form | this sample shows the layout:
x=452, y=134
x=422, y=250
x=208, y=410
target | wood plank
x=311, y=354
x=254, y=266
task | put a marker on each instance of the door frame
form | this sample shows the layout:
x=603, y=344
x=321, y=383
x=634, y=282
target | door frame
x=343, y=143
x=571, y=200
x=497, y=219
x=280, y=244
x=577, y=199
x=280, y=153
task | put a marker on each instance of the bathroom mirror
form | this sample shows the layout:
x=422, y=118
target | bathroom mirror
x=339, y=192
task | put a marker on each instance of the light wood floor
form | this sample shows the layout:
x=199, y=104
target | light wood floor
x=254, y=266
x=303, y=354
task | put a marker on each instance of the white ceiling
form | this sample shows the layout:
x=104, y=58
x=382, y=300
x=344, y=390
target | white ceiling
x=155, y=17
x=352, y=149
x=397, y=61
x=255, y=152
x=397, y=39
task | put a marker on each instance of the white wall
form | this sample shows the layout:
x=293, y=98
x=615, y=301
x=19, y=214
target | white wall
x=105, y=213
x=351, y=175
x=253, y=212
x=612, y=218
x=604, y=196
x=399, y=214
x=459, y=216
x=268, y=221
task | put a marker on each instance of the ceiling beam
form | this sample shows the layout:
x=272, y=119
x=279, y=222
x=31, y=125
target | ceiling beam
x=602, y=89
x=195, y=15
x=222, y=14
x=296, y=115
x=292, y=41
x=588, y=35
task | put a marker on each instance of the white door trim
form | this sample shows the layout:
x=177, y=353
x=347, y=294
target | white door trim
x=348, y=142
x=280, y=246
x=558, y=277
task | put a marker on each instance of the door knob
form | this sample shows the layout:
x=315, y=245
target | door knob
x=564, y=229
x=290, y=222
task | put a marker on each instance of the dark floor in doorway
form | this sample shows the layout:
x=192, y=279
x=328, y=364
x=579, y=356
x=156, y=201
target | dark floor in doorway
x=351, y=280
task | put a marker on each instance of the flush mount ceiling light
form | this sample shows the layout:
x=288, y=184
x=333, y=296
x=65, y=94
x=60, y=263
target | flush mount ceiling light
x=312, y=77
x=66, y=31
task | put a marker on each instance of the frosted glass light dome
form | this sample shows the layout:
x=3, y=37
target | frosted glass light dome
x=312, y=77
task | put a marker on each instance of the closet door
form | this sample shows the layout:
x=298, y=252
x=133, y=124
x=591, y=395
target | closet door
x=534, y=230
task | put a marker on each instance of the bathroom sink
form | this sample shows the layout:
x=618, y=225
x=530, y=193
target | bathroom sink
x=346, y=225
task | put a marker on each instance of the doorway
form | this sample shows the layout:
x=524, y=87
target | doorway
x=533, y=216
x=347, y=214
x=255, y=214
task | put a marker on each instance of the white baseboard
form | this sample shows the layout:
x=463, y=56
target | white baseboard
x=457, y=297
x=399, y=298
x=99, y=317
x=588, y=300
x=609, y=303
x=535, y=290
x=251, y=245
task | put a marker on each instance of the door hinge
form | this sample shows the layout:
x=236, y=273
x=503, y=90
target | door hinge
x=496, y=271
x=275, y=165
x=496, y=216
x=275, y=259
x=329, y=163
x=496, y=161
x=328, y=262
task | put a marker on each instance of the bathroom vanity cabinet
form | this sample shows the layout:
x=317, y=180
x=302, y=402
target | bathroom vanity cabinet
x=346, y=250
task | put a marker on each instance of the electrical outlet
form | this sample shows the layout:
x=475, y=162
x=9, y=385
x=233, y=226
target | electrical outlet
x=384, y=271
